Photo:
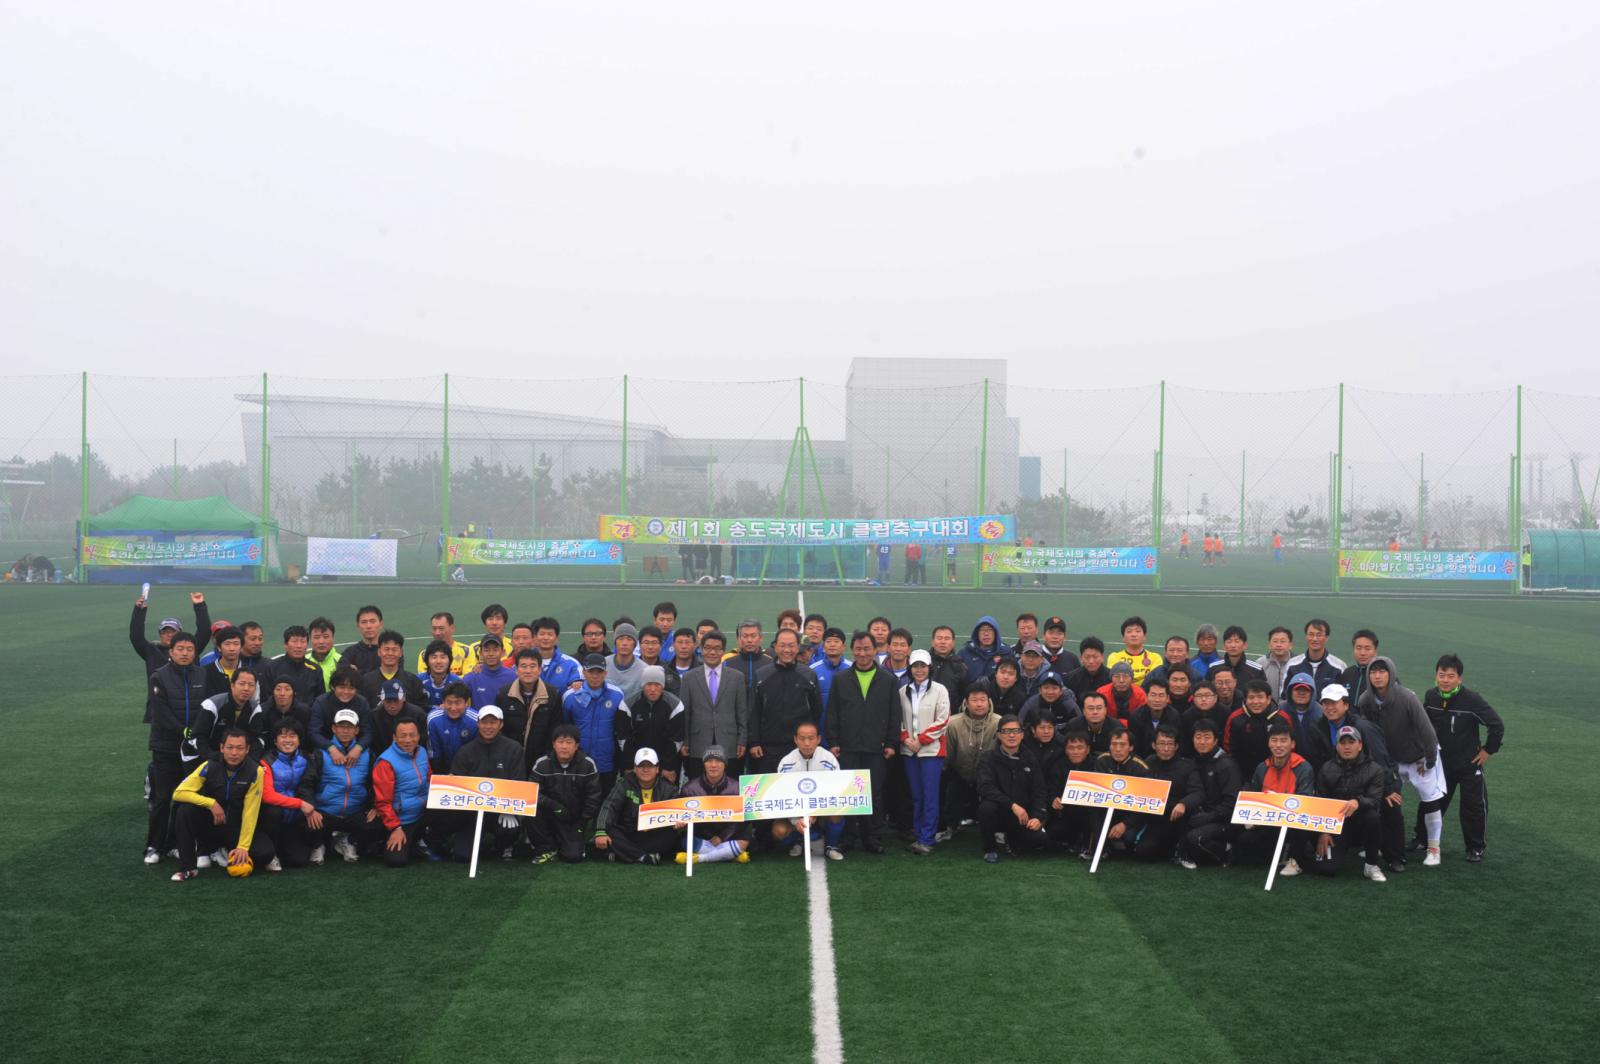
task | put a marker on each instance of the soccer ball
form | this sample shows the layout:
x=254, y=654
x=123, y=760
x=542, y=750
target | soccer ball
x=242, y=869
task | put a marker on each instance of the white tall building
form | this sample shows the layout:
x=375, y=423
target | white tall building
x=915, y=434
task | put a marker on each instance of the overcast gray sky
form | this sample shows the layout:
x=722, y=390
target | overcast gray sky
x=1259, y=194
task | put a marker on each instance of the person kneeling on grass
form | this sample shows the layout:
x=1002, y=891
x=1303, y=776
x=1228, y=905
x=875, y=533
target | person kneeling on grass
x=1283, y=772
x=216, y=809
x=809, y=755
x=343, y=781
x=400, y=794
x=569, y=794
x=731, y=841
x=288, y=817
x=616, y=828
x=495, y=755
x=1120, y=761
x=1353, y=776
x=1070, y=826
x=1210, y=829
x=1011, y=798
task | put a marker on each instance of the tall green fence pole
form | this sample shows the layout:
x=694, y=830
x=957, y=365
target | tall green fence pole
x=983, y=484
x=533, y=491
x=83, y=472
x=1064, y=497
x=444, y=483
x=355, y=488
x=1516, y=502
x=804, y=436
x=622, y=554
x=1242, y=459
x=1338, y=498
x=1161, y=462
x=1422, y=499
x=887, y=475
x=266, y=485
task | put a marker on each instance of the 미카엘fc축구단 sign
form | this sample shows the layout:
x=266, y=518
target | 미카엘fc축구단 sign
x=1265, y=809
x=676, y=812
x=1105, y=790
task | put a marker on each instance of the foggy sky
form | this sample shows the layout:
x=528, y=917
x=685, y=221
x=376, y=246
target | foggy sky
x=1249, y=196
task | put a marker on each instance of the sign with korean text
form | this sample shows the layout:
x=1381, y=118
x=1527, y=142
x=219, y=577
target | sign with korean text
x=793, y=532
x=1105, y=790
x=199, y=551
x=676, y=812
x=474, y=794
x=1264, y=809
x=351, y=557
x=1071, y=561
x=459, y=550
x=774, y=795
x=1428, y=565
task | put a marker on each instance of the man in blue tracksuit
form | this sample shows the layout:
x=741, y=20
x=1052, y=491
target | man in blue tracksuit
x=491, y=676
x=593, y=708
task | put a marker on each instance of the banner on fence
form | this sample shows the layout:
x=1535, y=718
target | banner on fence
x=676, y=812
x=792, y=532
x=205, y=551
x=459, y=550
x=1428, y=565
x=1264, y=809
x=773, y=795
x=1105, y=790
x=1072, y=561
x=351, y=557
x=472, y=794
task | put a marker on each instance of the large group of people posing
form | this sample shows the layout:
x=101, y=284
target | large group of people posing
x=268, y=762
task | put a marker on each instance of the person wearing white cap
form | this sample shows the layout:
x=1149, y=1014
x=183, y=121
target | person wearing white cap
x=653, y=718
x=1353, y=777
x=343, y=794
x=497, y=756
x=924, y=713
x=616, y=827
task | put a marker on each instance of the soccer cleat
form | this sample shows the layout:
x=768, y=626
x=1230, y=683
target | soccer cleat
x=428, y=851
x=544, y=857
x=650, y=858
x=1474, y=856
x=744, y=857
x=1374, y=873
x=152, y=855
x=346, y=849
x=1416, y=845
x=966, y=822
x=219, y=857
x=1291, y=867
x=682, y=858
x=506, y=854
x=319, y=854
x=179, y=877
x=1184, y=862
x=921, y=849
x=173, y=853
x=833, y=853
x=1432, y=860
x=944, y=836
x=991, y=857
x=1397, y=866
x=274, y=865
x=796, y=850
x=203, y=861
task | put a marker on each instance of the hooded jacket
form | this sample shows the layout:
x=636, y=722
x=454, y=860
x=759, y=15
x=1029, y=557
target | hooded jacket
x=980, y=661
x=1405, y=723
x=968, y=738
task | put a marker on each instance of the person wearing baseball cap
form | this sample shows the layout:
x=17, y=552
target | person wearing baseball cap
x=495, y=755
x=1032, y=668
x=1300, y=706
x=1360, y=782
x=1053, y=701
x=343, y=798
x=593, y=708
x=154, y=655
x=725, y=842
x=924, y=715
x=393, y=708
x=1057, y=657
x=616, y=826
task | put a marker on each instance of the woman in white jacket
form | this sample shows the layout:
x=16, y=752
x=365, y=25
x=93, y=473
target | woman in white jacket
x=924, y=712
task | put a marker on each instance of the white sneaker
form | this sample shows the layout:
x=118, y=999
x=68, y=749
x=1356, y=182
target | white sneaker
x=274, y=866
x=1374, y=873
x=1432, y=860
x=219, y=857
x=203, y=861
x=173, y=853
x=834, y=855
x=346, y=849
x=1184, y=862
x=944, y=836
x=319, y=854
x=152, y=855
x=1291, y=867
x=796, y=850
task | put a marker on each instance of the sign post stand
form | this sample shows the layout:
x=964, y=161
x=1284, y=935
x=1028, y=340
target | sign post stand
x=805, y=840
x=1105, y=829
x=1109, y=791
x=477, y=839
x=688, y=860
x=686, y=813
x=1277, y=855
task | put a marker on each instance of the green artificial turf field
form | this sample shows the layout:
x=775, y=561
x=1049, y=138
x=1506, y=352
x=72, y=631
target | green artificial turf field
x=941, y=958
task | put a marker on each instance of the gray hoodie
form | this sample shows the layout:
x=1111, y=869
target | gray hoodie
x=1405, y=724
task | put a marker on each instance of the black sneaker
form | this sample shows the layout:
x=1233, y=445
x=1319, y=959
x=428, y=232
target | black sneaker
x=1397, y=866
x=1416, y=845
x=992, y=857
x=1474, y=856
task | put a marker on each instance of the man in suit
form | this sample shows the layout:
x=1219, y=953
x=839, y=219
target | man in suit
x=716, y=705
